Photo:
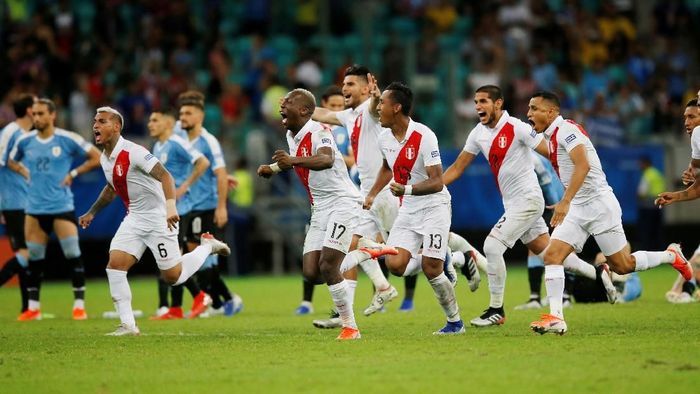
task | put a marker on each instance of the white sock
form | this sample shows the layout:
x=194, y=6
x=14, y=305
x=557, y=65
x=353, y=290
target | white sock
x=343, y=303
x=121, y=295
x=647, y=260
x=572, y=263
x=352, y=259
x=192, y=261
x=375, y=274
x=496, y=270
x=34, y=305
x=458, y=259
x=78, y=303
x=414, y=266
x=554, y=283
x=352, y=285
x=445, y=294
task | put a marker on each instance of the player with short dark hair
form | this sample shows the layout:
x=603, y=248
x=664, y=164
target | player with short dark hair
x=44, y=157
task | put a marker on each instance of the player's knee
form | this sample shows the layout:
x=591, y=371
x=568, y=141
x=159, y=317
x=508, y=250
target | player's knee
x=170, y=277
x=328, y=269
x=493, y=247
x=311, y=275
x=70, y=247
x=36, y=251
x=395, y=265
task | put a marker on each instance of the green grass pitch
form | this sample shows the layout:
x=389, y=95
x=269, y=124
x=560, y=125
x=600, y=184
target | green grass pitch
x=648, y=346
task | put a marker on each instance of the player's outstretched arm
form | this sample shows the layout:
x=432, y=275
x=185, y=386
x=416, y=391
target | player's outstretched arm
x=325, y=115
x=168, y=183
x=383, y=177
x=106, y=196
x=456, y=169
x=374, y=94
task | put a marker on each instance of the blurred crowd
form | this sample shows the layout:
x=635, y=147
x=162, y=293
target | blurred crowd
x=624, y=68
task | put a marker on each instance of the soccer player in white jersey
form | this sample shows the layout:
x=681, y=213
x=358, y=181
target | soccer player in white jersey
x=683, y=290
x=148, y=192
x=588, y=207
x=507, y=142
x=412, y=159
x=44, y=157
x=360, y=119
x=335, y=200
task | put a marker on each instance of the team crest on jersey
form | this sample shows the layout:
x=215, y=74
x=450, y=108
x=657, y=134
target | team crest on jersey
x=120, y=171
x=502, y=141
x=410, y=152
x=304, y=152
x=56, y=151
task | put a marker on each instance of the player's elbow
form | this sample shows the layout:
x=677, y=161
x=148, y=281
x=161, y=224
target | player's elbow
x=326, y=162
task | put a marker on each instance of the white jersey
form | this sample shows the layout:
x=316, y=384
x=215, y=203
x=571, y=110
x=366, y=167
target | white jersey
x=325, y=187
x=408, y=160
x=695, y=143
x=127, y=171
x=508, y=148
x=364, y=131
x=563, y=136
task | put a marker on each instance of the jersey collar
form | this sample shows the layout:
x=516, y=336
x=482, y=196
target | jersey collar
x=501, y=122
x=556, y=123
x=118, y=147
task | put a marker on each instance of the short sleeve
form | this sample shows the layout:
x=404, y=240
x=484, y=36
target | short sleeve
x=346, y=118
x=471, y=146
x=324, y=139
x=216, y=153
x=143, y=159
x=17, y=152
x=78, y=143
x=695, y=143
x=528, y=135
x=187, y=150
x=570, y=137
x=431, y=151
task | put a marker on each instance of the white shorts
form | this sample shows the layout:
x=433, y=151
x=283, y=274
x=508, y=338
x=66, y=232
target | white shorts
x=429, y=228
x=332, y=228
x=600, y=217
x=133, y=238
x=522, y=221
x=380, y=218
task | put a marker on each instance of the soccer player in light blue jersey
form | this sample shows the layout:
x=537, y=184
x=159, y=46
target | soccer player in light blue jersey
x=208, y=197
x=13, y=195
x=186, y=165
x=44, y=157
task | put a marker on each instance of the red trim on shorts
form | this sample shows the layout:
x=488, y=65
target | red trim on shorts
x=119, y=173
x=406, y=159
x=499, y=148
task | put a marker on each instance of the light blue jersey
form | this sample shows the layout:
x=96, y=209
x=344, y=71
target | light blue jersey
x=48, y=162
x=13, y=186
x=178, y=157
x=552, y=188
x=204, y=192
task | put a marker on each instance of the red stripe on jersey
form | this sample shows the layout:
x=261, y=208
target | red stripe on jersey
x=499, y=148
x=119, y=173
x=553, y=145
x=580, y=128
x=355, y=136
x=304, y=150
x=406, y=159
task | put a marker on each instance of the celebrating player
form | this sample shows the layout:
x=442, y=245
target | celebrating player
x=588, y=207
x=148, y=192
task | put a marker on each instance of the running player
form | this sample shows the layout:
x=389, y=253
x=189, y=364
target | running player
x=148, y=192
x=13, y=195
x=335, y=200
x=44, y=157
x=186, y=165
x=588, y=207
x=412, y=159
x=507, y=142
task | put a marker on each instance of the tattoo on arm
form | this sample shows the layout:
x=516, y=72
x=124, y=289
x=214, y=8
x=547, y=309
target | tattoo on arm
x=158, y=171
x=108, y=194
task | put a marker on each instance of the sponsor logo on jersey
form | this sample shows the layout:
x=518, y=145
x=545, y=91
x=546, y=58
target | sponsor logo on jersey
x=435, y=153
x=56, y=151
x=533, y=133
x=570, y=138
x=326, y=141
x=148, y=157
